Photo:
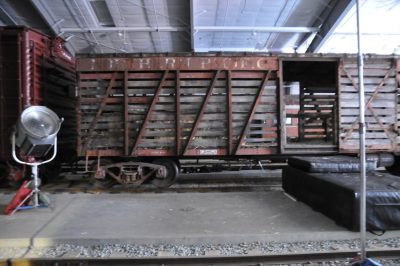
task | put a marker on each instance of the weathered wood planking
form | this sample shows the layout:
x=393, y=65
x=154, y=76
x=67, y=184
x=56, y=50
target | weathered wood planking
x=215, y=134
x=160, y=130
x=398, y=102
x=381, y=105
x=317, y=112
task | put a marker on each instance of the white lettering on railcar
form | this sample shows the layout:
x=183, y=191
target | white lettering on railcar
x=204, y=61
x=208, y=152
x=144, y=62
x=243, y=63
x=259, y=63
x=226, y=62
x=170, y=63
x=183, y=63
x=188, y=60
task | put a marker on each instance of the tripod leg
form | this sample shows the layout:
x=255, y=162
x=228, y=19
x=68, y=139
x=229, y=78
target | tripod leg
x=44, y=199
x=23, y=202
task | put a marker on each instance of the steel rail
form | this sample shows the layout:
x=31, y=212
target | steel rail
x=207, y=260
x=252, y=185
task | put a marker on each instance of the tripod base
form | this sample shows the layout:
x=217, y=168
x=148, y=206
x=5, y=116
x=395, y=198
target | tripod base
x=26, y=193
x=29, y=190
x=43, y=201
x=366, y=262
x=19, y=198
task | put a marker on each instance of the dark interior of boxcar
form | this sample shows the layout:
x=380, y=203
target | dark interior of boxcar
x=309, y=105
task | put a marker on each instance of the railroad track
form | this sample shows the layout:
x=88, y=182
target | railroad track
x=340, y=257
x=230, y=181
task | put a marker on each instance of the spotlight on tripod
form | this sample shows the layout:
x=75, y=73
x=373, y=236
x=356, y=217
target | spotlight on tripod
x=35, y=134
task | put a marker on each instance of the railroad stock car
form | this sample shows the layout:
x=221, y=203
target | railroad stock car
x=34, y=70
x=139, y=114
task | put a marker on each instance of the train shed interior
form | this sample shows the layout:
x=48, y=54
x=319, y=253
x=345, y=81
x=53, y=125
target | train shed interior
x=199, y=132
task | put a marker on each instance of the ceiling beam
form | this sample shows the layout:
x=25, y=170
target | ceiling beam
x=43, y=11
x=228, y=49
x=256, y=29
x=331, y=19
x=192, y=31
x=6, y=18
x=48, y=18
x=128, y=29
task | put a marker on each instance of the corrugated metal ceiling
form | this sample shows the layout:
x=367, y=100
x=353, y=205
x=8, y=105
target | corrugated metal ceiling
x=253, y=15
x=159, y=26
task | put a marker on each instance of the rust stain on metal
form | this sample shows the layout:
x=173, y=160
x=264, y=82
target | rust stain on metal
x=181, y=63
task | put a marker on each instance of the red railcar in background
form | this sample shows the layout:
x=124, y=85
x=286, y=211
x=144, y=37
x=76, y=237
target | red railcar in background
x=34, y=70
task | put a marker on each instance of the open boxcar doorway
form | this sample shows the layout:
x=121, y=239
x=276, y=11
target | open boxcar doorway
x=309, y=106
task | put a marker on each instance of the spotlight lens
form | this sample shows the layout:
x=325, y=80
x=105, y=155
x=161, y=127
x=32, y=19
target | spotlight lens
x=39, y=122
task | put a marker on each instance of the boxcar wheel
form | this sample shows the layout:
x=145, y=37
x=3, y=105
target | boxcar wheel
x=105, y=183
x=395, y=168
x=171, y=175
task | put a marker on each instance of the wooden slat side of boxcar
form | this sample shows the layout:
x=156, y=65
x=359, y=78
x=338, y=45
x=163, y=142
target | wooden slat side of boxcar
x=381, y=105
x=181, y=106
x=397, y=151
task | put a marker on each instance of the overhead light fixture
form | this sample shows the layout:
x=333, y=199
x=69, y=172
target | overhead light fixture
x=35, y=134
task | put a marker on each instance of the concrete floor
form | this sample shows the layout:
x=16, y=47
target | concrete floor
x=187, y=218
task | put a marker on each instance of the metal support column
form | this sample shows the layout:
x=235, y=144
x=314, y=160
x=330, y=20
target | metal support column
x=362, y=139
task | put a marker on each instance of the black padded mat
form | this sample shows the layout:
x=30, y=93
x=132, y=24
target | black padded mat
x=337, y=196
x=330, y=164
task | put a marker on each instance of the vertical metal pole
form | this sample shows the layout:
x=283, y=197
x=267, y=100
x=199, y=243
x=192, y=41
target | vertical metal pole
x=229, y=109
x=35, y=176
x=178, y=112
x=362, y=139
x=126, y=114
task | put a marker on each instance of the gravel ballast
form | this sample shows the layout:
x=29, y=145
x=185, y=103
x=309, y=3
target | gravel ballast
x=168, y=250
